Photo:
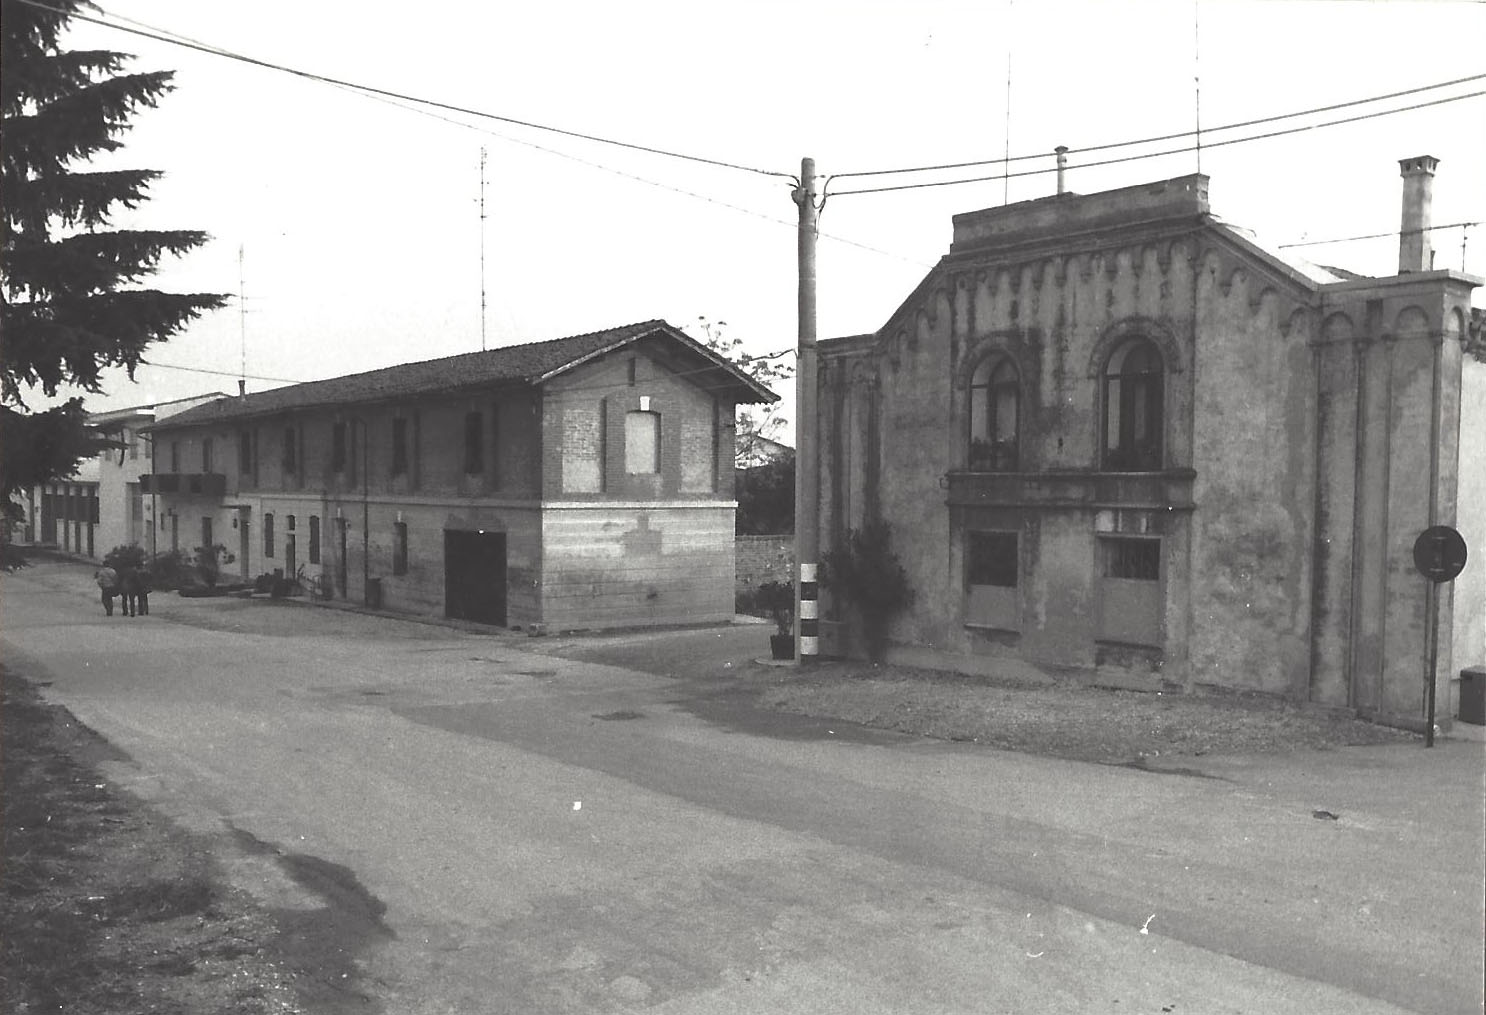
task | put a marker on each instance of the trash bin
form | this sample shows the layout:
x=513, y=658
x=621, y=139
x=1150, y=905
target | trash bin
x=1473, y=695
x=374, y=593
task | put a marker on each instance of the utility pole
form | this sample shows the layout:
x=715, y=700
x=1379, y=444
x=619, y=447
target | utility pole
x=807, y=454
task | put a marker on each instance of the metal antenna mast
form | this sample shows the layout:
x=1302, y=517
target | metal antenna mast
x=1197, y=75
x=482, y=248
x=242, y=317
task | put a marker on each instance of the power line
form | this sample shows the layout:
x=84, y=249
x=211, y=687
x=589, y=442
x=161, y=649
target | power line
x=1172, y=137
x=1378, y=236
x=1168, y=151
x=159, y=36
x=219, y=373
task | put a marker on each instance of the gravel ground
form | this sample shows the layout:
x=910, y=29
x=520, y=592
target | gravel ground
x=1066, y=721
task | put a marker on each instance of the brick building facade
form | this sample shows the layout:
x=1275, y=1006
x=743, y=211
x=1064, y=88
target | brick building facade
x=584, y=482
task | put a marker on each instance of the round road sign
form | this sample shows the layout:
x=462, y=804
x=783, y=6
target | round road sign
x=1439, y=553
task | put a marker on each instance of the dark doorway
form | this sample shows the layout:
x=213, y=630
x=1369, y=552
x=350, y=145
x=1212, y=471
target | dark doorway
x=475, y=576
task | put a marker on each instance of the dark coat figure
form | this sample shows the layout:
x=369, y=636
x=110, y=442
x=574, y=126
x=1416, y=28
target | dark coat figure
x=136, y=586
x=108, y=587
x=128, y=589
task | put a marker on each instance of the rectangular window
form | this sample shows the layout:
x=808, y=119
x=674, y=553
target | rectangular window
x=992, y=572
x=175, y=456
x=291, y=451
x=206, y=536
x=474, y=443
x=290, y=523
x=495, y=445
x=245, y=451
x=314, y=539
x=991, y=559
x=206, y=454
x=268, y=535
x=399, y=548
x=641, y=442
x=338, y=447
x=132, y=439
x=1137, y=559
x=399, y=447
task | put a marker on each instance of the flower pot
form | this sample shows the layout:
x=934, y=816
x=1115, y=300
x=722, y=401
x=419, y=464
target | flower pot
x=783, y=645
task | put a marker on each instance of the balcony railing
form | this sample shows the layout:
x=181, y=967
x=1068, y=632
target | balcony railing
x=1168, y=489
x=192, y=484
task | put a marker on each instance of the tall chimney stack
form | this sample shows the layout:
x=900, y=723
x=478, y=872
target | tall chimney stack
x=1062, y=153
x=1414, y=251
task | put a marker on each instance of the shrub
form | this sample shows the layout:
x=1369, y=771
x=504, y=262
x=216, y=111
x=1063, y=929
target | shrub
x=168, y=570
x=777, y=599
x=131, y=557
x=867, y=575
x=208, y=563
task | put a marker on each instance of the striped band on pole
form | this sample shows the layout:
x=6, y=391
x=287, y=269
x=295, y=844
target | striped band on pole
x=809, y=613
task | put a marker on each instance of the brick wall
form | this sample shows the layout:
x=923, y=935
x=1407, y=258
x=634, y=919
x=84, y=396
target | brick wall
x=764, y=559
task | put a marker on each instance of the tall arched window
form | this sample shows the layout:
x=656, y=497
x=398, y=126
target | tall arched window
x=1133, y=404
x=995, y=415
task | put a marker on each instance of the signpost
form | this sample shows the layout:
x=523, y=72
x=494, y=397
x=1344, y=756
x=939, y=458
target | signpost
x=1439, y=555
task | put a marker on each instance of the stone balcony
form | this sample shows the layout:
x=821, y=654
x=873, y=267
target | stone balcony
x=1168, y=490
x=192, y=484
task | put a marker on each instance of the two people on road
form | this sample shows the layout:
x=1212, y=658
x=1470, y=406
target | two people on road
x=131, y=585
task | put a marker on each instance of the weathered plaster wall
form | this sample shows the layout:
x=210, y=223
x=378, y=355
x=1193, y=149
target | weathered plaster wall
x=1253, y=451
x=1469, y=630
x=628, y=565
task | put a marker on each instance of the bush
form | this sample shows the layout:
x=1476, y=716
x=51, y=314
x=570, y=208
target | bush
x=122, y=558
x=208, y=563
x=168, y=570
x=776, y=600
x=867, y=574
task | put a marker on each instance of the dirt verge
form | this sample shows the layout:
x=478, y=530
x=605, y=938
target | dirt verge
x=106, y=907
x=1062, y=720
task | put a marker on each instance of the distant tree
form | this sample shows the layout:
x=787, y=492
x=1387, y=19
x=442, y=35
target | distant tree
x=69, y=307
x=755, y=425
x=766, y=497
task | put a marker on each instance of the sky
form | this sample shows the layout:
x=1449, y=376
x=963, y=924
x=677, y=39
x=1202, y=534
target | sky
x=352, y=226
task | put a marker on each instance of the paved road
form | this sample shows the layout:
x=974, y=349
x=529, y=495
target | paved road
x=479, y=828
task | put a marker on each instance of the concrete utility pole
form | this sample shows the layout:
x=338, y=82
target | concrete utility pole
x=807, y=454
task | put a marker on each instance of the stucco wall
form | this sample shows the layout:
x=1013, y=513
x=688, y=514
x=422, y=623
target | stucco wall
x=636, y=564
x=1469, y=628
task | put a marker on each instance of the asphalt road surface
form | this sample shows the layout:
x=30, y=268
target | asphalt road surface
x=483, y=829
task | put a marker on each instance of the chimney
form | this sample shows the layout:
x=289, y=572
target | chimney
x=242, y=387
x=1414, y=252
x=1062, y=152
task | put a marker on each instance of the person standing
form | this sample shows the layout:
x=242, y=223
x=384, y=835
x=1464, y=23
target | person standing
x=128, y=589
x=108, y=587
x=141, y=593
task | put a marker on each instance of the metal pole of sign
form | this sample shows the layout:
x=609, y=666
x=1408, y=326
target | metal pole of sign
x=1432, y=618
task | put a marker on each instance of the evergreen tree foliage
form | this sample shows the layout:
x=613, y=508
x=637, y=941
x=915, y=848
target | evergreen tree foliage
x=70, y=301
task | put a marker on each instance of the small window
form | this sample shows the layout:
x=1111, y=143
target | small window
x=291, y=451
x=1133, y=409
x=1136, y=559
x=314, y=539
x=642, y=442
x=991, y=559
x=338, y=447
x=474, y=443
x=495, y=444
x=207, y=542
x=132, y=439
x=399, y=447
x=268, y=535
x=399, y=548
x=289, y=523
x=245, y=451
x=206, y=454
x=995, y=409
x=175, y=456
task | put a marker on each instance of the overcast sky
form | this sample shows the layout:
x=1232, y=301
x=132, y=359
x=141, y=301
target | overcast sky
x=359, y=218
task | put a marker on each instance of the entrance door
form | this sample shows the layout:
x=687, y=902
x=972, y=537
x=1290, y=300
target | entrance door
x=475, y=576
x=243, y=544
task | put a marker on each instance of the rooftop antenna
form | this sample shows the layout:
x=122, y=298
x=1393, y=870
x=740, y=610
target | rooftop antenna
x=1006, y=165
x=1197, y=76
x=482, y=248
x=242, y=318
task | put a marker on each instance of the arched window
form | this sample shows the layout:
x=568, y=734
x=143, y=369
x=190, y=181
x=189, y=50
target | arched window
x=1133, y=404
x=995, y=415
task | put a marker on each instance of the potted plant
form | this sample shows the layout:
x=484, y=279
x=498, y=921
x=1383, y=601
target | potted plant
x=778, y=600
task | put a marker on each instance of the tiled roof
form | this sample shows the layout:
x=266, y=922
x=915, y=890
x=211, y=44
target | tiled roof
x=531, y=363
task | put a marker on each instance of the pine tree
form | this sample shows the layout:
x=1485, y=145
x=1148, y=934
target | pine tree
x=69, y=302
